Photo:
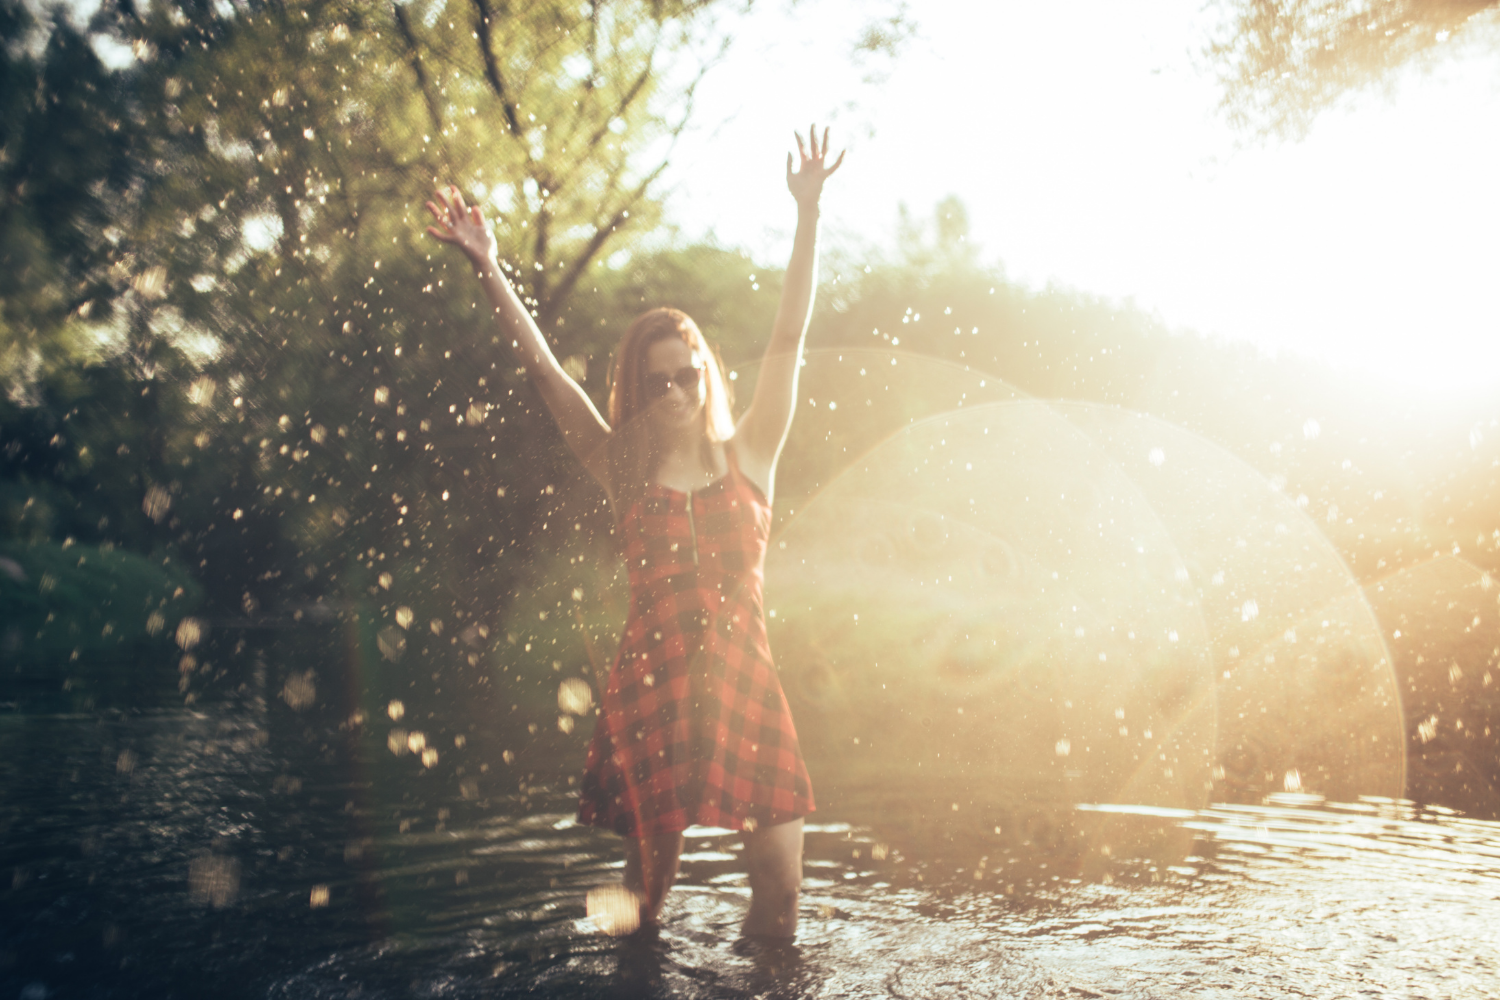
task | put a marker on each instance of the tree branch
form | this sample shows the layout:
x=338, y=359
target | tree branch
x=603, y=130
x=550, y=305
x=492, y=70
x=547, y=308
x=592, y=81
x=1283, y=62
x=404, y=24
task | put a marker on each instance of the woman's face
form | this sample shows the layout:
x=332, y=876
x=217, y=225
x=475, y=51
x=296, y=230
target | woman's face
x=673, y=384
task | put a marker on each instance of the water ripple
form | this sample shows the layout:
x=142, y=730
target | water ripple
x=179, y=853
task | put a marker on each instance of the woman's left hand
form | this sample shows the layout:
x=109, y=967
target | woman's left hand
x=806, y=182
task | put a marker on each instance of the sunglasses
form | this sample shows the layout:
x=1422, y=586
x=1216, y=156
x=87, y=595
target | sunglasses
x=657, y=384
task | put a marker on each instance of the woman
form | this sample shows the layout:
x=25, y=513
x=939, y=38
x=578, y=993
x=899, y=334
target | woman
x=693, y=728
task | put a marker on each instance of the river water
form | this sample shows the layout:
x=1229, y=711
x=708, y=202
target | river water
x=239, y=849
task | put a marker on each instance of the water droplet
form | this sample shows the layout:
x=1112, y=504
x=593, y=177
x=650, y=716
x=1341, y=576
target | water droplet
x=1156, y=457
x=214, y=880
x=151, y=283
x=299, y=691
x=614, y=909
x=201, y=391
x=392, y=643
x=189, y=633
x=156, y=504
x=1311, y=428
x=574, y=695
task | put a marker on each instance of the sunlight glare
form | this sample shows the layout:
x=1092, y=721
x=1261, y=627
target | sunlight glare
x=1089, y=151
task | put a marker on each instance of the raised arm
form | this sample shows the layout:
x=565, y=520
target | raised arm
x=763, y=427
x=583, y=428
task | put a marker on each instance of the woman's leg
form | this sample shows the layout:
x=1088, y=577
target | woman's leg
x=774, y=858
x=650, y=869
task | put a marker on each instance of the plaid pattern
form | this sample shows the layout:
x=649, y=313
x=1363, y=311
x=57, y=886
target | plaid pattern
x=694, y=728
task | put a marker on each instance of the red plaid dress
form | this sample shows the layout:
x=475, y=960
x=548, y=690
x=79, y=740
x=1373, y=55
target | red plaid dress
x=694, y=728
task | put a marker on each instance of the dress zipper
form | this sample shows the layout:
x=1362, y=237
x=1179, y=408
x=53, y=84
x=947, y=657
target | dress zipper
x=692, y=527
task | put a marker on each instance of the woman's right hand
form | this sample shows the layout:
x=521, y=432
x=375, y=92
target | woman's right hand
x=461, y=225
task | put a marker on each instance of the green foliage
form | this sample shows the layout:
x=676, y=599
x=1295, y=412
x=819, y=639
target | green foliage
x=61, y=603
x=1281, y=63
x=220, y=305
x=64, y=155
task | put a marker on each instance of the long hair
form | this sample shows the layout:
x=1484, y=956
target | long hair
x=633, y=454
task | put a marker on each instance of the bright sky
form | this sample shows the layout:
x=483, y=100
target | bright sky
x=1084, y=140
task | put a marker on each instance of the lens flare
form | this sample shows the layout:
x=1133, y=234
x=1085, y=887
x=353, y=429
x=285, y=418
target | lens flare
x=1021, y=607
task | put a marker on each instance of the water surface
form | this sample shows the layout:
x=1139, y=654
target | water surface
x=222, y=852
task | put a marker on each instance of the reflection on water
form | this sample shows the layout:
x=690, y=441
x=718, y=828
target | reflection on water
x=180, y=853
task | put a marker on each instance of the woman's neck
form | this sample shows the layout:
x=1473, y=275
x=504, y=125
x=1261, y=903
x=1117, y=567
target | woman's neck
x=680, y=463
x=680, y=440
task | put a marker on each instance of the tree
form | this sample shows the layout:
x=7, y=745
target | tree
x=1283, y=62
x=64, y=157
x=311, y=124
x=286, y=355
